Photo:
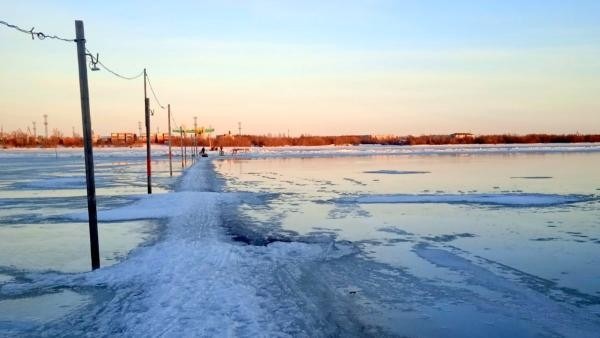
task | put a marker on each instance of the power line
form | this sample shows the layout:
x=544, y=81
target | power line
x=42, y=36
x=34, y=34
x=153, y=93
x=119, y=75
x=96, y=60
x=173, y=119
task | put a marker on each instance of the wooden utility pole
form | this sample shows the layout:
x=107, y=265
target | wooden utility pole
x=181, y=141
x=148, y=154
x=195, y=136
x=170, y=154
x=87, y=144
x=184, y=149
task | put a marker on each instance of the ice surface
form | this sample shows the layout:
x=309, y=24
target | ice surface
x=160, y=151
x=109, y=152
x=64, y=246
x=370, y=150
x=5, y=278
x=521, y=199
x=36, y=308
x=521, y=302
x=196, y=281
x=57, y=183
x=533, y=177
x=396, y=172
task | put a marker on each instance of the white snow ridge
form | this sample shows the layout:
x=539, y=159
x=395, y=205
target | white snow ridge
x=174, y=204
x=508, y=199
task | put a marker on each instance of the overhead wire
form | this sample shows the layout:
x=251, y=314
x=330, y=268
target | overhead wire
x=173, y=119
x=175, y=122
x=153, y=93
x=119, y=75
x=34, y=34
x=42, y=36
x=94, y=61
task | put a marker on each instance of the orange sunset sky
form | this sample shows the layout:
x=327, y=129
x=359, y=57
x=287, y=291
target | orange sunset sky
x=338, y=67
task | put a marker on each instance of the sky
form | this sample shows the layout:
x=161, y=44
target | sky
x=310, y=67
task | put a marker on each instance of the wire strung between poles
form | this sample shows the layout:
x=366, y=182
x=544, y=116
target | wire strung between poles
x=96, y=61
x=153, y=93
x=173, y=119
x=119, y=75
x=34, y=34
x=42, y=36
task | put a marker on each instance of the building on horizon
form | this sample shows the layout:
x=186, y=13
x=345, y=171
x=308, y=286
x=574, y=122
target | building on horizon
x=461, y=136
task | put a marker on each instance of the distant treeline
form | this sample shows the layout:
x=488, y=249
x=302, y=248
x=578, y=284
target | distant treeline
x=270, y=141
x=21, y=139
x=502, y=139
x=304, y=140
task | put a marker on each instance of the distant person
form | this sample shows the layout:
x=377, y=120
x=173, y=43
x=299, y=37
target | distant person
x=203, y=152
x=221, y=152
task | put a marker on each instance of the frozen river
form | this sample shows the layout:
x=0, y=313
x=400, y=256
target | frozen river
x=488, y=241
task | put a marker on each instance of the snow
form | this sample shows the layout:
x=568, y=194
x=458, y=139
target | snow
x=373, y=150
x=508, y=199
x=196, y=281
x=154, y=206
x=316, y=151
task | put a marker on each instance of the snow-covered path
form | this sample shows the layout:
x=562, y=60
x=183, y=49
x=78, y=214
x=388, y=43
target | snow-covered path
x=195, y=281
